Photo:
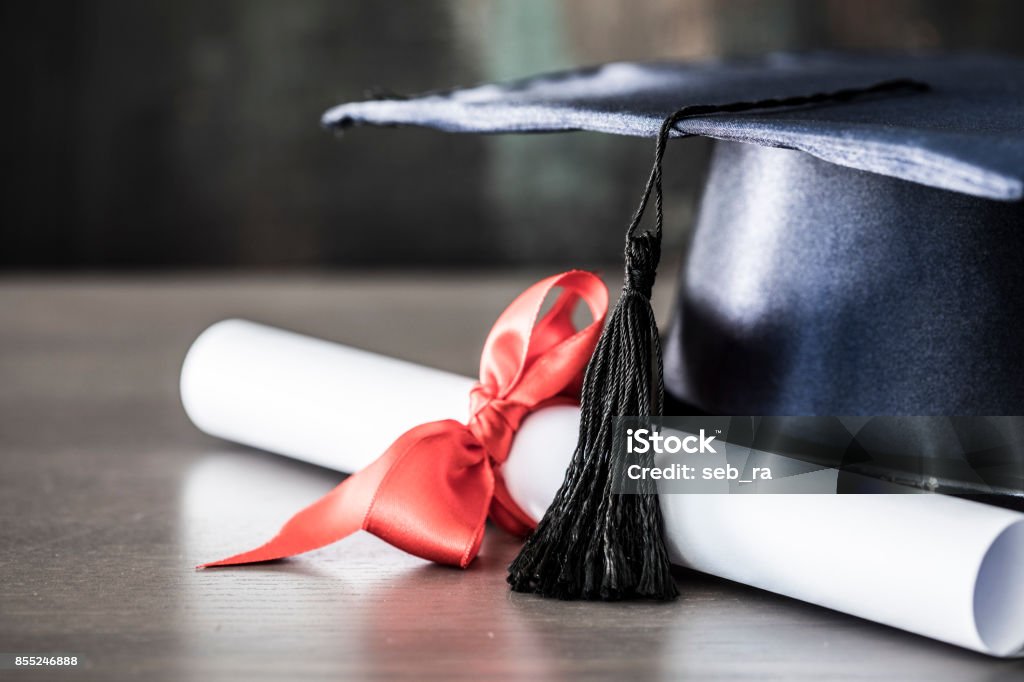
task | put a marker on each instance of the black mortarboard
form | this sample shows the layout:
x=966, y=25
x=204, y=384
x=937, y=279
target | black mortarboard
x=814, y=288
x=857, y=252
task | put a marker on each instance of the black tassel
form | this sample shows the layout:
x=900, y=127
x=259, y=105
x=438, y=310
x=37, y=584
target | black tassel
x=593, y=543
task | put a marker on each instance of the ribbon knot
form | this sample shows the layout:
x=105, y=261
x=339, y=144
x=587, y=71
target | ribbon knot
x=494, y=424
x=432, y=491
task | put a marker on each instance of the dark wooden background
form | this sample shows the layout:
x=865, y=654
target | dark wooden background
x=185, y=133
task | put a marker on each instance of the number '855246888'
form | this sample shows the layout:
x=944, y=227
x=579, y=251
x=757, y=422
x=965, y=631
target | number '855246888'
x=46, y=660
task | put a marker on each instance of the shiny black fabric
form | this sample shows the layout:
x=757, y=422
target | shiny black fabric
x=811, y=288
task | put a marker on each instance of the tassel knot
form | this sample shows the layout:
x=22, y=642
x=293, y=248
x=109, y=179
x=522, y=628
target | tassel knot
x=643, y=251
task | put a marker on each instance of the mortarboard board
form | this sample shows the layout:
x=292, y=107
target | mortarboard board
x=856, y=253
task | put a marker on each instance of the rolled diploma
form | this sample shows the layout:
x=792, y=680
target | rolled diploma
x=934, y=565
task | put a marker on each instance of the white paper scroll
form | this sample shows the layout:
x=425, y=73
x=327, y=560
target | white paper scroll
x=933, y=565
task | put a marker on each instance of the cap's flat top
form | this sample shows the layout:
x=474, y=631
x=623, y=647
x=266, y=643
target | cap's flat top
x=965, y=135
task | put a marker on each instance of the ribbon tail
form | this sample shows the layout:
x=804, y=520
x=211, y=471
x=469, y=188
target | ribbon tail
x=427, y=494
x=333, y=517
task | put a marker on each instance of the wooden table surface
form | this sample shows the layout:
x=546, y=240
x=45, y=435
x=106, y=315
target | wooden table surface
x=109, y=497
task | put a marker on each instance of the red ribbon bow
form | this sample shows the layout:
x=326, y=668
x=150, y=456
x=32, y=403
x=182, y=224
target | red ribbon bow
x=430, y=493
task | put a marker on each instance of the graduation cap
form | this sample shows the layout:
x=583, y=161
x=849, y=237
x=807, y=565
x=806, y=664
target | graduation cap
x=857, y=252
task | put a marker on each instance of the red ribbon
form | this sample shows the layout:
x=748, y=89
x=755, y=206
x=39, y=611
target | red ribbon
x=430, y=493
